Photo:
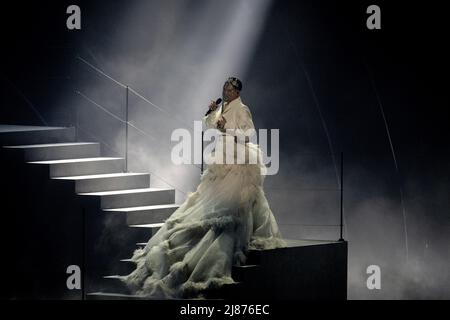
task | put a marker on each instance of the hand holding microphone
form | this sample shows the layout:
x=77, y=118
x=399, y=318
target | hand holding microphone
x=213, y=106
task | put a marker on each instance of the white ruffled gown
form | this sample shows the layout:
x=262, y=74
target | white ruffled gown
x=212, y=230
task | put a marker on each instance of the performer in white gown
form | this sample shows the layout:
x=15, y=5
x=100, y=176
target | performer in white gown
x=212, y=230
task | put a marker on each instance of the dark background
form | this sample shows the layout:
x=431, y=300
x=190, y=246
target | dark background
x=324, y=79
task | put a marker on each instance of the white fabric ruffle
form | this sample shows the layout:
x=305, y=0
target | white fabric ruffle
x=210, y=232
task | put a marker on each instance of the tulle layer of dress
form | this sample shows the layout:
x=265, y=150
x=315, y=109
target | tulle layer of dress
x=211, y=231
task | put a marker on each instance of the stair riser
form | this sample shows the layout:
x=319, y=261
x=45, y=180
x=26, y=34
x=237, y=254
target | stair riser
x=245, y=274
x=38, y=136
x=86, y=168
x=149, y=216
x=113, y=183
x=124, y=267
x=138, y=199
x=62, y=152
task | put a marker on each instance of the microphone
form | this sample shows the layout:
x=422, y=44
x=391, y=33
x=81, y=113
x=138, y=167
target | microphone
x=218, y=101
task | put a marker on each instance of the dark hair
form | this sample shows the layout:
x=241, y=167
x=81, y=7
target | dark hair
x=235, y=82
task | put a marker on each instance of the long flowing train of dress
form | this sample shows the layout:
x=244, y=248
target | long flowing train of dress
x=211, y=231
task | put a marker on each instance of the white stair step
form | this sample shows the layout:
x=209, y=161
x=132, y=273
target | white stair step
x=246, y=266
x=244, y=273
x=133, y=197
x=147, y=214
x=114, y=284
x=43, y=145
x=116, y=276
x=82, y=166
x=15, y=134
x=121, y=296
x=147, y=225
x=144, y=208
x=109, y=181
x=57, y=151
x=80, y=160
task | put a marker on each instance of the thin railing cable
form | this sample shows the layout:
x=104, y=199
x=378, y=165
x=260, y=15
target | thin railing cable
x=121, y=120
x=115, y=116
x=92, y=55
x=139, y=95
x=101, y=72
x=316, y=104
x=386, y=126
x=82, y=129
x=116, y=152
x=99, y=106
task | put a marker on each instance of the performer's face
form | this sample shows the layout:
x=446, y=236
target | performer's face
x=229, y=93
